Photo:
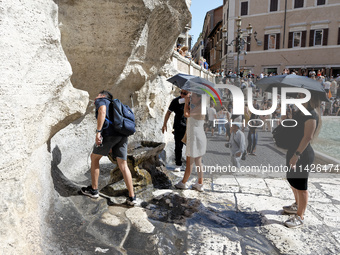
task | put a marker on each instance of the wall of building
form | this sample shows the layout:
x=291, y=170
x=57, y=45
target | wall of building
x=264, y=22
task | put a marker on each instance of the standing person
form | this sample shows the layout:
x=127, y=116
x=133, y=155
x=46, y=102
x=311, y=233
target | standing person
x=256, y=105
x=196, y=141
x=228, y=116
x=264, y=106
x=108, y=140
x=211, y=117
x=247, y=115
x=252, y=135
x=238, y=144
x=299, y=158
x=327, y=86
x=177, y=106
x=333, y=87
x=221, y=116
x=205, y=64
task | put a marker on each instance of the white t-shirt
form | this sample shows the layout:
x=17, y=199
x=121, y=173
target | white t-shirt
x=211, y=113
x=327, y=85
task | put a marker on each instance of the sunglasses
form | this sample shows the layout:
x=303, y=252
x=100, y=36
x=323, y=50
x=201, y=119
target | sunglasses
x=184, y=93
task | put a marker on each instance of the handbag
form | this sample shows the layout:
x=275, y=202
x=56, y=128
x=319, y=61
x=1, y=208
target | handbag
x=244, y=154
x=283, y=136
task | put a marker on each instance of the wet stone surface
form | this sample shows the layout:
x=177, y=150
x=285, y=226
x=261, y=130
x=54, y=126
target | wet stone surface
x=172, y=208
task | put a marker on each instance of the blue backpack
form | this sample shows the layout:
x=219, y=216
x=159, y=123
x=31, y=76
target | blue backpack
x=121, y=118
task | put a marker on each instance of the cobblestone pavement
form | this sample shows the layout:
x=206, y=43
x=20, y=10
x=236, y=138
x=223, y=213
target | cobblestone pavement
x=264, y=194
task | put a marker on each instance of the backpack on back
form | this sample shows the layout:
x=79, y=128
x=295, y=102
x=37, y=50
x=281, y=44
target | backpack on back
x=121, y=118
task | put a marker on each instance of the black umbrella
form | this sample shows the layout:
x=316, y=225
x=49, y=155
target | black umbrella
x=292, y=80
x=195, y=84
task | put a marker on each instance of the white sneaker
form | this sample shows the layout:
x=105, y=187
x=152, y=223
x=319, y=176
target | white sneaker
x=181, y=185
x=198, y=187
x=292, y=209
x=177, y=169
x=294, y=221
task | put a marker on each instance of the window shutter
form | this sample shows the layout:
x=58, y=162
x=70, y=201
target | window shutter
x=298, y=4
x=311, y=38
x=244, y=8
x=273, y=5
x=278, y=41
x=290, y=40
x=339, y=36
x=325, y=37
x=265, y=46
x=303, y=39
x=248, y=41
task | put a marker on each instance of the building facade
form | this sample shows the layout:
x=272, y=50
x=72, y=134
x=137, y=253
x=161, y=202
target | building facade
x=209, y=44
x=300, y=35
x=197, y=50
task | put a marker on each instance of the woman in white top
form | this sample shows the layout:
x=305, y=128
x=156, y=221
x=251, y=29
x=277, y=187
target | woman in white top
x=196, y=143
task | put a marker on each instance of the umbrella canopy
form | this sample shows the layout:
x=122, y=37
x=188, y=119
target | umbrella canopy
x=196, y=84
x=292, y=80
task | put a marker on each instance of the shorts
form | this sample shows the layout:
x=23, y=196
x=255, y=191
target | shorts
x=210, y=124
x=118, y=144
x=298, y=178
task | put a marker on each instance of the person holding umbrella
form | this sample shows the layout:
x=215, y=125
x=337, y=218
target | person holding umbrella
x=299, y=158
x=300, y=154
x=196, y=140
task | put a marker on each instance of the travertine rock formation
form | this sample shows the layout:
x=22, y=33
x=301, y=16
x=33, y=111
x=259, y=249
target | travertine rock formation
x=116, y=45
x=37, y=99
x=123, y=47
x=119, y=45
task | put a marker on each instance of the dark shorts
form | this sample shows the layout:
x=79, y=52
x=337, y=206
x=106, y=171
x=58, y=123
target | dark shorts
x=118, y=144
x=211, y=124
x=298, y=178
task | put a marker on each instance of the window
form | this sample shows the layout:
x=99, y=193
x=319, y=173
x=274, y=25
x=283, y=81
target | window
x=296, y=39
x=298, y=3
x=271, y=70
x=244, y=8
x=271, y=41
x=273, y=5
x=321, y=2
x=317, y=37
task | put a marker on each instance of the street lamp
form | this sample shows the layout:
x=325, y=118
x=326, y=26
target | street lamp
x=239, y=40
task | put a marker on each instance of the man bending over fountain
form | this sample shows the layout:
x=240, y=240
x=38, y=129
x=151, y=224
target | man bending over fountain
x=107, y=139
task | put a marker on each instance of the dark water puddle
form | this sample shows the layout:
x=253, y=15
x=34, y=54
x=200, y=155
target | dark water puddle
x=235, y=225
x=172, y=208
